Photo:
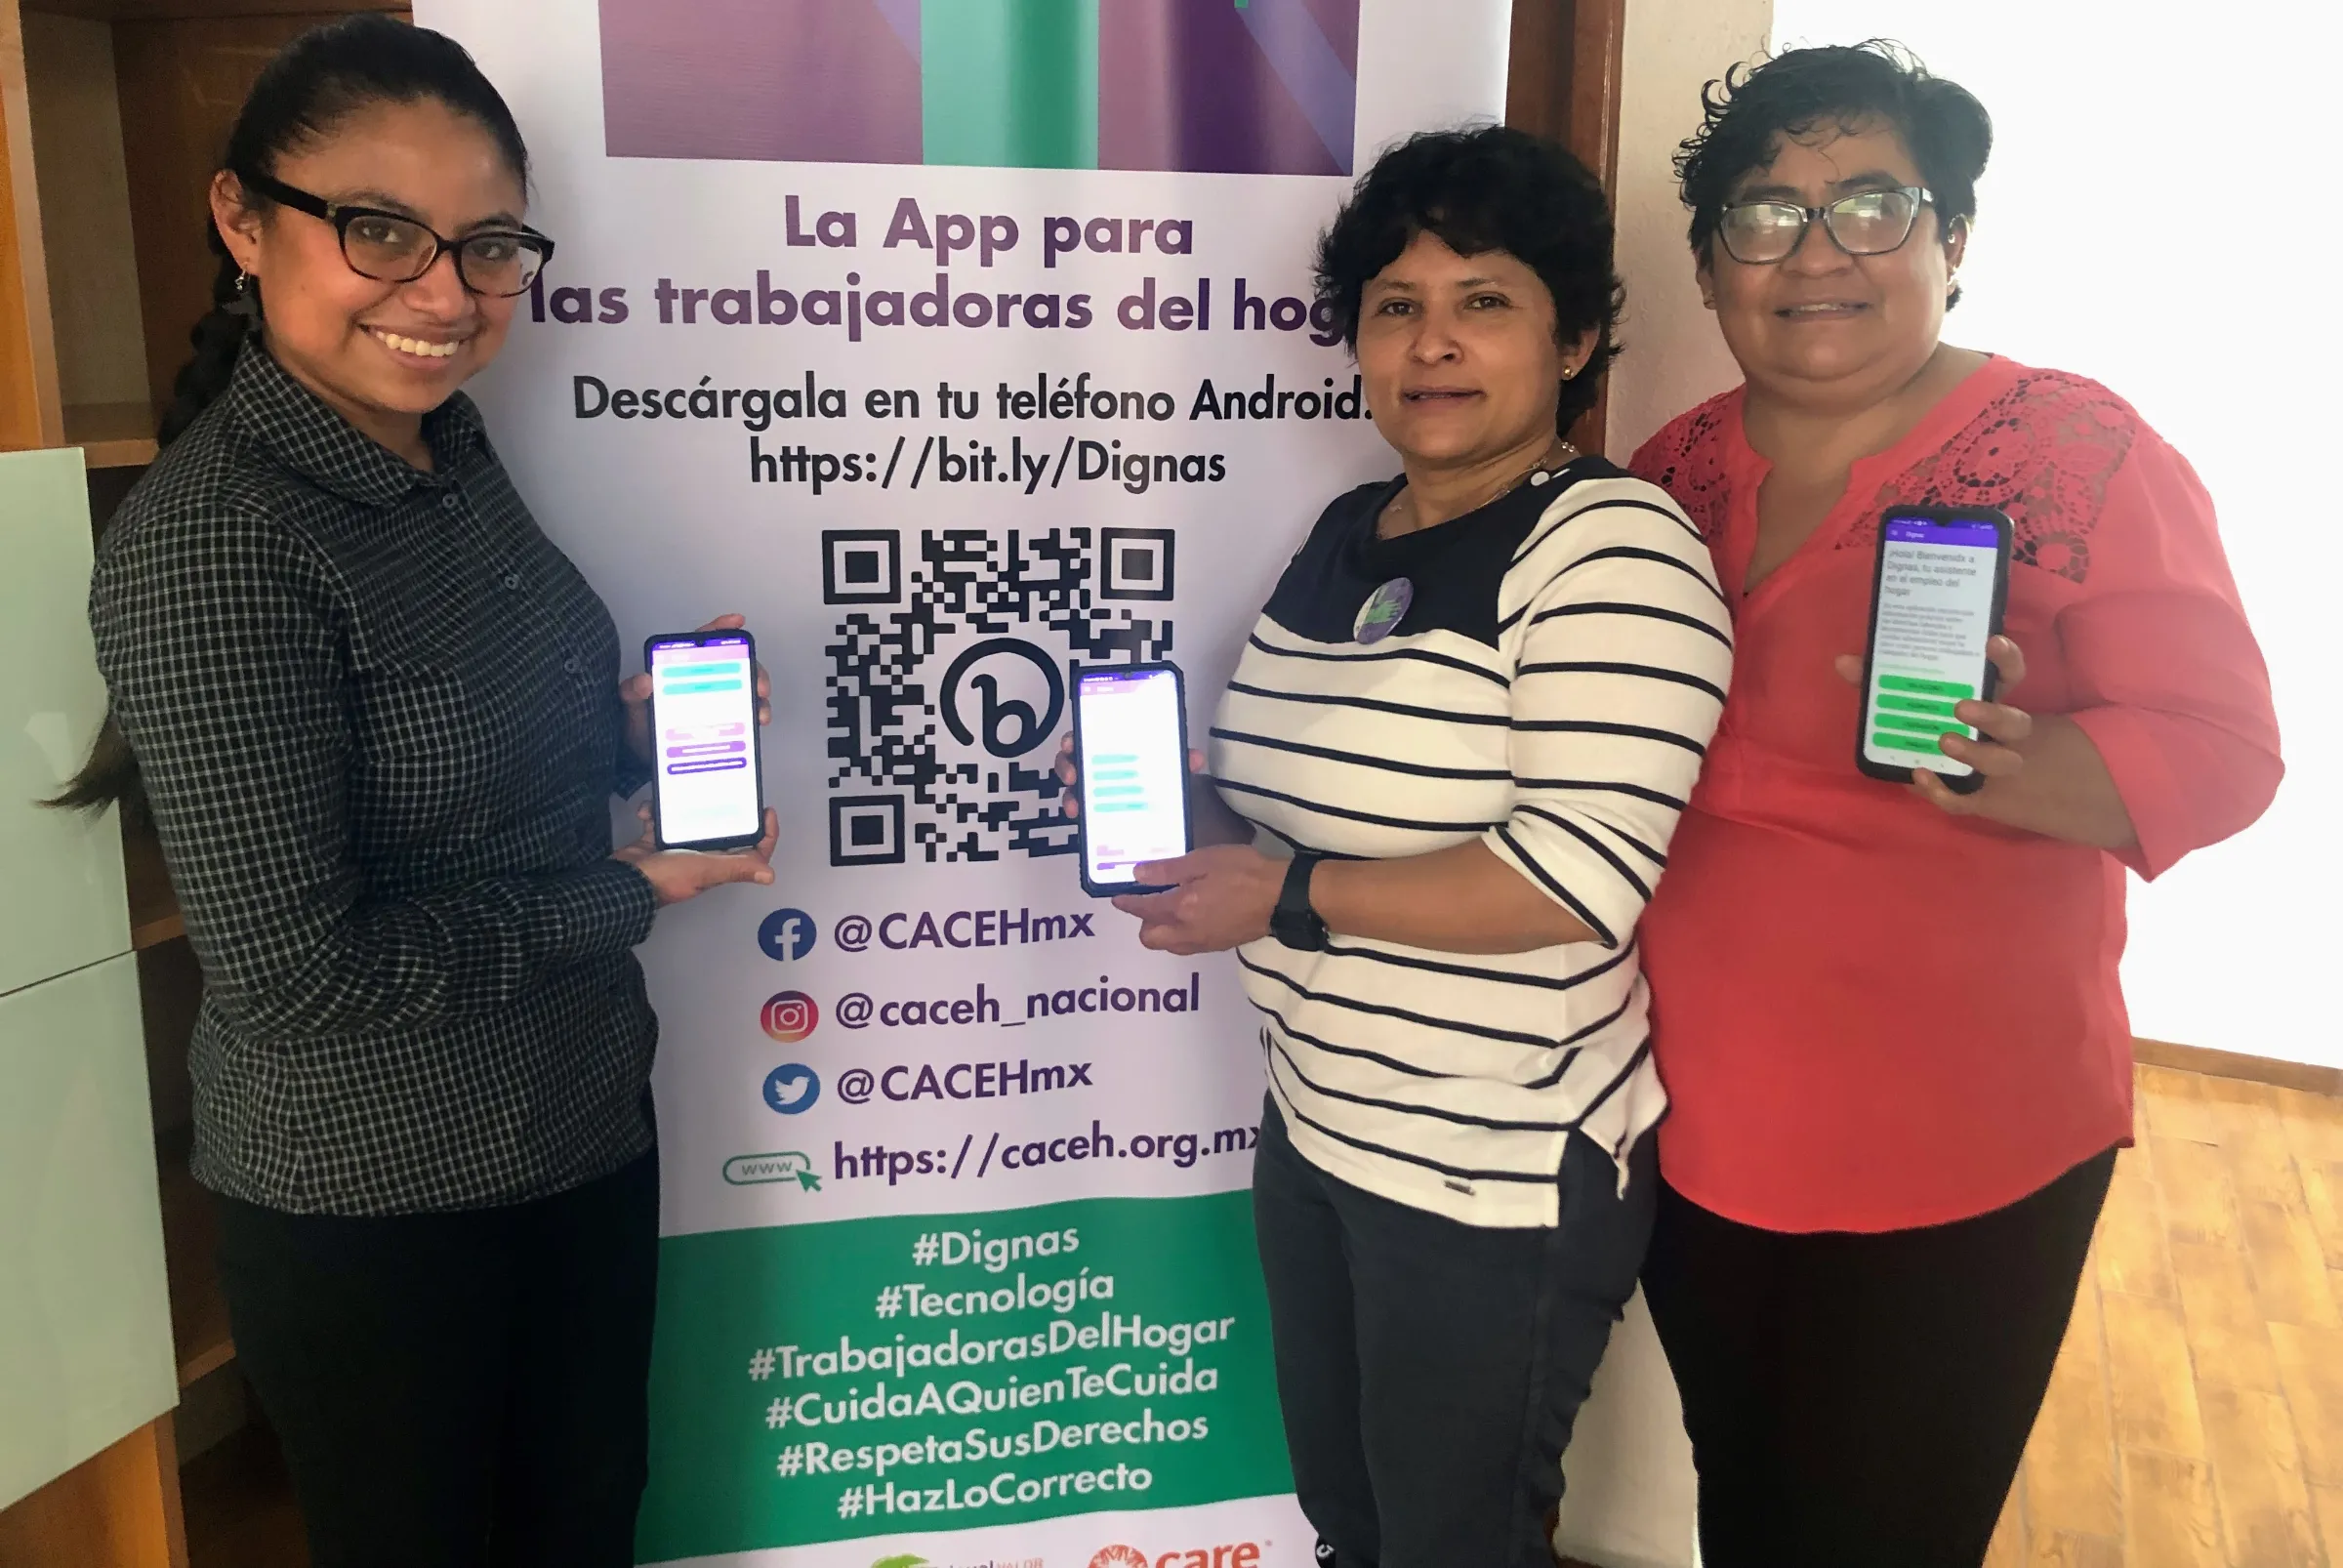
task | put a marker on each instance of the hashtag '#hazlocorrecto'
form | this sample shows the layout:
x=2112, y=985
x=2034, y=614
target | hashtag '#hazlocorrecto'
x=761, y=1366
x=849, y=1503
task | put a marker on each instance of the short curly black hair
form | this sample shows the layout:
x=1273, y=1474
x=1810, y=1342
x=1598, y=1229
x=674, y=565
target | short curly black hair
x=1747, y=114
x=1487, y=189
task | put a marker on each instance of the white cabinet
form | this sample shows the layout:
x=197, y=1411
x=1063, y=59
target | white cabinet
x=85, y=1321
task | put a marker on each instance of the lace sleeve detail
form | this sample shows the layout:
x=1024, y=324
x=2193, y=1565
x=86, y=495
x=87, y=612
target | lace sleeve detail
x=2044, y=452
x=1686, y=459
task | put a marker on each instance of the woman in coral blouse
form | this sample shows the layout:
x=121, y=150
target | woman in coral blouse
x=1888, y=1015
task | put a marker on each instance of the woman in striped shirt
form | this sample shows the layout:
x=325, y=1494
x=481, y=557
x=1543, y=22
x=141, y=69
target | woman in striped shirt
x=1448, y=767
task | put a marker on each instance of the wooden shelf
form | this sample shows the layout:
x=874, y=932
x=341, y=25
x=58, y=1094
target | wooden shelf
x=154, y=907
x=199, y=1331
x=111, y=435
x=239, y=1505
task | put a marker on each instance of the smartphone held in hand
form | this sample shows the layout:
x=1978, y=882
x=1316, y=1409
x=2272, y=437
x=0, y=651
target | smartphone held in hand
x=1938, y=592
x=1130, y=747
x=708, y=777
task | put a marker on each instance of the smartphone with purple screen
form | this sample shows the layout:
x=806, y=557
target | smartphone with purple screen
x=707, y=772
x=1938, y=592
x=1130, y=744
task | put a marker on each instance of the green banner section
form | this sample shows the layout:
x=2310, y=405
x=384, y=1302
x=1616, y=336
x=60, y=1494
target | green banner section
x=864, y=1376
x=1010, y=83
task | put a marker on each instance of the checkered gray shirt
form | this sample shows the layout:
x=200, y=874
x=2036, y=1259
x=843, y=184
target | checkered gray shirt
x=378, y=716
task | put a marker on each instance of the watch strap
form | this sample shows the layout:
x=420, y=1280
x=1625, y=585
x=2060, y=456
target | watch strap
x=1294, y=922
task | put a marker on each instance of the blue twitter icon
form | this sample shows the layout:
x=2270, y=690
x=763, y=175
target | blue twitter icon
x=792, y=1088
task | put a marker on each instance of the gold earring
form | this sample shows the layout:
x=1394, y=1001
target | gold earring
x=1568, y=371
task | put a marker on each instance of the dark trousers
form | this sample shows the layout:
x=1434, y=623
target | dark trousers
x=456, y=1390
x=1858, y=1400
x=1430, y=1371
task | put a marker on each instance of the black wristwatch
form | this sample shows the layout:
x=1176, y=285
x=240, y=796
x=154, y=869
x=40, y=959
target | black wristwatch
x=1294, y=922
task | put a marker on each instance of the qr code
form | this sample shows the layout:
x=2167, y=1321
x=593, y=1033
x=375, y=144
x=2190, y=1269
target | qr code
x=949, y=681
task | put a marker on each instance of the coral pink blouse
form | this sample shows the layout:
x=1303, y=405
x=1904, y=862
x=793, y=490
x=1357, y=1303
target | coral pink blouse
x=1869, y=1014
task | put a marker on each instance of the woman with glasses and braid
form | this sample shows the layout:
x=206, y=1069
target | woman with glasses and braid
x=1888, y=1015
x=378, y=720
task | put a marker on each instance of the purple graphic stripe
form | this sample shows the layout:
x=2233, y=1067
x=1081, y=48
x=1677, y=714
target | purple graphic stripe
x=817, y=81
x=1322, y=84
x=902, y=17
x=676, y=769
x=1189, y=86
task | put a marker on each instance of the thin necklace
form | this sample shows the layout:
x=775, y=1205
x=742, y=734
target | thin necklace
x=1558, y=454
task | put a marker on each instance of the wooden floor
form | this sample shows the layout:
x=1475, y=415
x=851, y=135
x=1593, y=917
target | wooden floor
x=2196, y=1420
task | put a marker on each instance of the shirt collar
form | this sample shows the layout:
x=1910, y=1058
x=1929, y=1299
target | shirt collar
x=308, y=437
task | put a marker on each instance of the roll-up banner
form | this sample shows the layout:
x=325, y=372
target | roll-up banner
x=958, y=344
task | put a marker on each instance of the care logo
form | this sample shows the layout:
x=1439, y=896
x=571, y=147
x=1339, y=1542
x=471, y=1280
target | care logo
x=786, y=935
x=789, y=1016
x=1231, y=1554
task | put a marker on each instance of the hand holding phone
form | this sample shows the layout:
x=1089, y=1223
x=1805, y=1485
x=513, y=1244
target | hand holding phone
x=1131, y=753
x=675, y=875
x=706, y=754
x=1939, y=588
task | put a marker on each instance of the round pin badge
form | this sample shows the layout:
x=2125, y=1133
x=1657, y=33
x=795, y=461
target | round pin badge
x=1383, y=611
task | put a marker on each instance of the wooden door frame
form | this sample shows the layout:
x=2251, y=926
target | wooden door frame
x=30, y=411
x=1562, y=81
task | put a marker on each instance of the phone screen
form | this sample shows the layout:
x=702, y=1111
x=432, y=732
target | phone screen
x=1134, y=804
x=1937, y=588
x=704, y=739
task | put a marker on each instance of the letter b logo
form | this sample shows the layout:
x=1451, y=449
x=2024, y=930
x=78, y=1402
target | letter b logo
x=1006, y=725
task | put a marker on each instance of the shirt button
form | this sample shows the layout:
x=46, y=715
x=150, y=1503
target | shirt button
x=570, y=666
x=512, y=580
x=451, y=502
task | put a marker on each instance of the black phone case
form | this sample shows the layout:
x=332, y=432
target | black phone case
x=1082, y=847
x=1958, y=783
x=755, y=739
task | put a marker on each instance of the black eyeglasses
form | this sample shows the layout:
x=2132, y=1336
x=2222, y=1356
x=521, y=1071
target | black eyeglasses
x=1869, y=222
x=393, y=248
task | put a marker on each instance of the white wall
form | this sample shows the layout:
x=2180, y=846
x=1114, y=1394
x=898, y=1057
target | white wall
x=1631, y=1495
x=1674, y=357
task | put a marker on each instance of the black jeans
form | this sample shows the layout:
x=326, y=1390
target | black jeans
x=454, y=1390
x=1857, y=1400
x=1430, y=1371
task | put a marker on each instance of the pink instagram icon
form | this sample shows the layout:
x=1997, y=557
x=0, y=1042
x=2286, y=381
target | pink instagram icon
x=791, y=1016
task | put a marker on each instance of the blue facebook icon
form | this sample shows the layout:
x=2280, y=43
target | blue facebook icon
x=786, y=934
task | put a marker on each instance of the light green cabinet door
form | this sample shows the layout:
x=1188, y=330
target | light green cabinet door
x=85, y=1314
x=62, y=904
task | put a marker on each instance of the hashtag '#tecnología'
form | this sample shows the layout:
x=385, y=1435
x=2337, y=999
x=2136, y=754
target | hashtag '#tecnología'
x=890, y=1301
x=924, y=1251
x=761, y=1366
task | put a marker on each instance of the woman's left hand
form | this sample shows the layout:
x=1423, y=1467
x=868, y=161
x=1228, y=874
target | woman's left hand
x=1212, y=899
x=635, y=692
x=1996, y=757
